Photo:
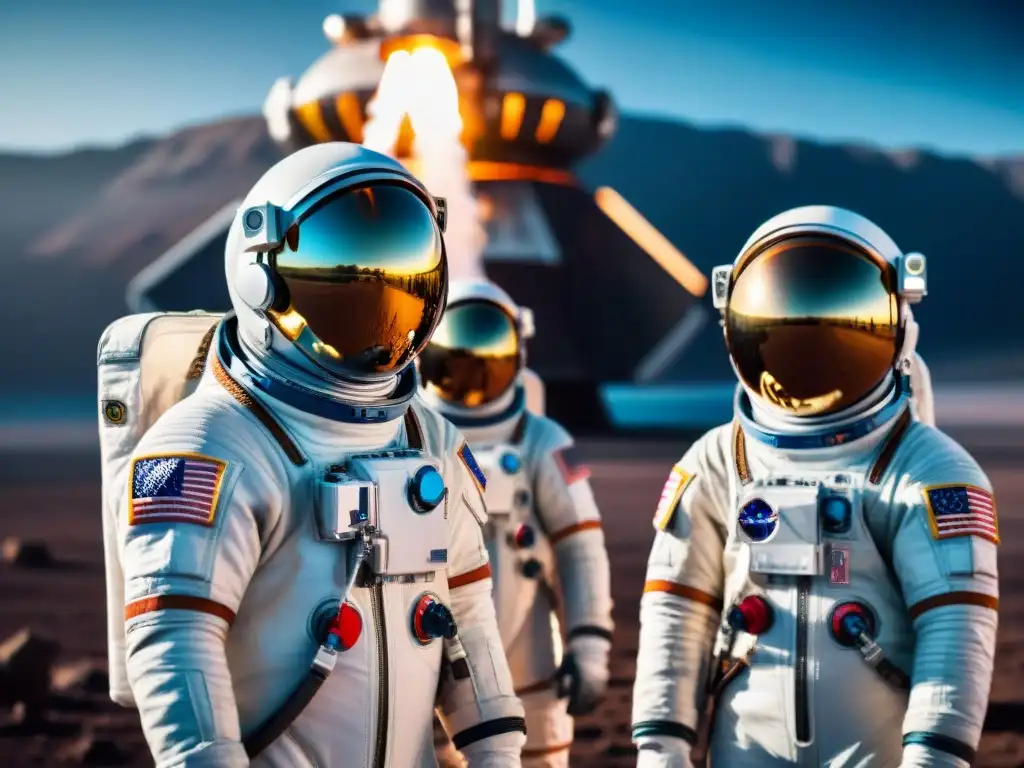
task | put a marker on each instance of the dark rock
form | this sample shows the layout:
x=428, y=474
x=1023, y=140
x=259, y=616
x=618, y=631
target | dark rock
x=84, y=675
x=620, y=750
x=26, y=661
x=25, y=721
x=90, y=750
x=25, y=554
x=588, y=733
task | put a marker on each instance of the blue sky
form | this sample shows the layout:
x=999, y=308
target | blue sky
x=900, y=73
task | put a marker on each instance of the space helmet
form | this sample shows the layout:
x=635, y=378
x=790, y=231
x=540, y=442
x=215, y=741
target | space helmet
x=336, y=263
x=478, y=351
x=816, y=311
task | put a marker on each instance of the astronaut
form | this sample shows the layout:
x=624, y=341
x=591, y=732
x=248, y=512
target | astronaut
x=303, y=513
x=544, y=532
x=822, y=589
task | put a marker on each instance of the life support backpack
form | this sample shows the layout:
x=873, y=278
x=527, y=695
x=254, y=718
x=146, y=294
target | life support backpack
x=147, y=363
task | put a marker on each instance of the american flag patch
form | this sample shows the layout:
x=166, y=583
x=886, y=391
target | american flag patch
x=961, y=510
x=678, y=480
x=571, y=465
x=474, y=469
x=175, y=489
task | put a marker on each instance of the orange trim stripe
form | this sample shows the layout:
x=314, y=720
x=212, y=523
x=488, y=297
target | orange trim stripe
x=953, y=598
x=683, y=591
x=146, y=605
x=470, y=577
x=541, y=751
x=586, y=525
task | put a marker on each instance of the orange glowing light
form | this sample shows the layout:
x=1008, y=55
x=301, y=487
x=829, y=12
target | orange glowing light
x=486, y=170
x=645, y=235
x=551, y=115
x=513, y=106
x=313, y=121
x=350, y=115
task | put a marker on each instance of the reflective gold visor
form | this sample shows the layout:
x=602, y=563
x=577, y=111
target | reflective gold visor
x=364, y=280
x=473, y=357
x=812, y=323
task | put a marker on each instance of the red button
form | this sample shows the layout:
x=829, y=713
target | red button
x=525, y=537
x=752, y=614
x=841, y=611
x=422, y=636
x=347, y=626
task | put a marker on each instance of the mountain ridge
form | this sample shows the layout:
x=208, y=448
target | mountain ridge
x=84, y=223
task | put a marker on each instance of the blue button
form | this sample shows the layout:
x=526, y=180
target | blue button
x=510, y=463
x=758, y=520
x=836, y=514
x=426, y=490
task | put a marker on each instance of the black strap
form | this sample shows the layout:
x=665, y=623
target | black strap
x=942, y=743
x=591, y=631
x=665, y=728
x=278, y=722
x=519, y=431
x=413, y=433
x=893, y=675
x=488, y=729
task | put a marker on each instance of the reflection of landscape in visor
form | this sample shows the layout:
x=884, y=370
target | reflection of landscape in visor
x=473, y=357
x=812, y=324
x=364, y=273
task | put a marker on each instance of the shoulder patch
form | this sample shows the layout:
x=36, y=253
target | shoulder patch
x=961, y=510
x=175, y=488
x=571, y=465
x=474, y=469
x=678, y=481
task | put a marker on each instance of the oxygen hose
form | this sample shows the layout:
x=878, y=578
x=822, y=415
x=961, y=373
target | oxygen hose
x=319, y=670
x=856, y=627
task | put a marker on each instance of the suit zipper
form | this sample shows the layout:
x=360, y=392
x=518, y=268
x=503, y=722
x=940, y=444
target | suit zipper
x=377, y=598
x=803, y=722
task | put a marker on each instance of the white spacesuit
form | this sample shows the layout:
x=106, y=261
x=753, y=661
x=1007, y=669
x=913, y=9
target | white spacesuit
x=822, y=589
x=303, y=512
x=544, y=532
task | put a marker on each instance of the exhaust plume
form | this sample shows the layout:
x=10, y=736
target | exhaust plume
x=421, y=85
x=387, y=108
x=444, y=162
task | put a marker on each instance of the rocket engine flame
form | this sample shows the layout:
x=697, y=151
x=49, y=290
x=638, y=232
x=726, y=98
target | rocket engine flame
x=387, y=108
x=444, y=161
x=421, y=85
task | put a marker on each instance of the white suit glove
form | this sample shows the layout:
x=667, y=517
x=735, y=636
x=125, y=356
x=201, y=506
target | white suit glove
x=583, y=675
x=662, y=752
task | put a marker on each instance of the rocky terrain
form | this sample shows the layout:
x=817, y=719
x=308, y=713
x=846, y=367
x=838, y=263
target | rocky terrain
x=52, y=624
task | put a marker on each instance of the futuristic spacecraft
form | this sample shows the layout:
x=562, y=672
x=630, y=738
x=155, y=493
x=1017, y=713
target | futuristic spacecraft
x=612, y=298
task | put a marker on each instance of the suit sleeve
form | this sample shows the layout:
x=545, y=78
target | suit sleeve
x=569, y=513
x=190, y=543
x=480, y=710
x=681, y=606
x=944, y=554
